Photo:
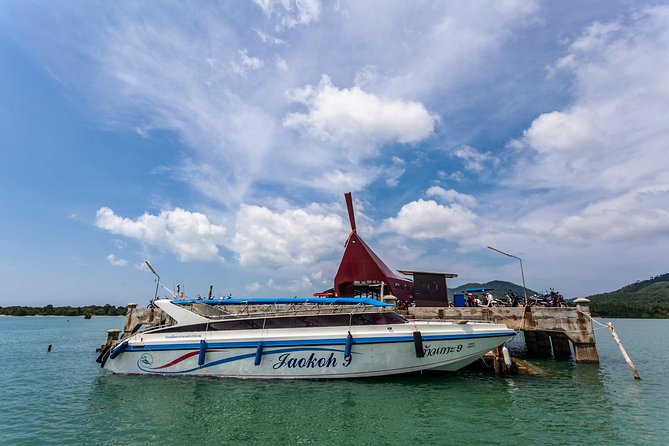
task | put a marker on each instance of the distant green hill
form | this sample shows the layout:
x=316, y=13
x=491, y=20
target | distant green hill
x=642, y=299
x=501, y=288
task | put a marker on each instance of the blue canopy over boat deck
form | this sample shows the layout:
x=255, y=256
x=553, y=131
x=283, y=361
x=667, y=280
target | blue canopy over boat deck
x=286, y=300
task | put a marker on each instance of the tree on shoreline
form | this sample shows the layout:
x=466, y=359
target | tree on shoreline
x=50, y=310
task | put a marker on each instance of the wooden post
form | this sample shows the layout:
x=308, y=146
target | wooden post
x=622, y=350
x=498, y=362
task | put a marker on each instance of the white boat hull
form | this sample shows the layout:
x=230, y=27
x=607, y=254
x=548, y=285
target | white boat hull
x=310, y=353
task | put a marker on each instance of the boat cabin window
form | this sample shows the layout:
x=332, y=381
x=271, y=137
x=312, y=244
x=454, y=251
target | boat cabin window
x=298, y=321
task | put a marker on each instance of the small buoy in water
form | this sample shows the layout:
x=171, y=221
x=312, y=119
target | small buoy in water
x=48, y=348
x=507, y=357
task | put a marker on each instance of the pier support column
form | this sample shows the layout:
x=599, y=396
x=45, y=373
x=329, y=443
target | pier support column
x=112, y=339
x=530, y=342
x=585, y=349
x=499, y=365
x=586, y=353
x=543, y=340
x=112, y=335
x=538, y=344
x=561, y=349
x=136, y=317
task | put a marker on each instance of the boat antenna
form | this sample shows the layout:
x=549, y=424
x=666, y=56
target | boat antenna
x=157, y=280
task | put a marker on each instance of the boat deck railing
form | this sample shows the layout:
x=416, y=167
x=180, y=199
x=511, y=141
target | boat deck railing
x=222, y=311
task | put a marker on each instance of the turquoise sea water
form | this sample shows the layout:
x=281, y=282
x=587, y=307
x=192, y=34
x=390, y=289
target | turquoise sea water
x=64, y=398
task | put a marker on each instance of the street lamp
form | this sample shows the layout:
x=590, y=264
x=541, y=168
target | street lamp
x=521, y=268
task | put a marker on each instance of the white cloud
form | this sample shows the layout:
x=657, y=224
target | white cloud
x=639, y=214
x=574, y=130
x=366, y=76
x=356, y=119
x=439, y=50
x=218, y=84
x=475, y=160
x=394, y=172
x=427, y=219
x=451, y=196
x=595, y=38
x=614, y=134
x=269, y=39
x=291, y=13
x=281, y=63
x=112, y=259
x=590, y=195
x=253, y=287
x=189, y=235
x=336, y=180
x=246, y=63
x=265, y=238
x=456, y=176
x=293, y=285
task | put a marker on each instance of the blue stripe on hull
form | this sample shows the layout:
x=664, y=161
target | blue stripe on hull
x=237, y=358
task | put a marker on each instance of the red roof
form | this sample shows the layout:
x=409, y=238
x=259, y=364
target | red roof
x=359, y=263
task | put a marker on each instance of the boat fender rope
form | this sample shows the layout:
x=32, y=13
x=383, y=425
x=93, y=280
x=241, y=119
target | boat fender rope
x=203, y=353
x=118, y=349
x=349, y=345
x=258, y=353
x=418, y=344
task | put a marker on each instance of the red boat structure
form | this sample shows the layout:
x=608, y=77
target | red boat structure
x=362, y=273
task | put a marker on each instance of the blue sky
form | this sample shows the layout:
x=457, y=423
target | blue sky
x=216, y=140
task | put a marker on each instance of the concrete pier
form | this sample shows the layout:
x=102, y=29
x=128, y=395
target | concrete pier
x=136, y=317
x=547, y=331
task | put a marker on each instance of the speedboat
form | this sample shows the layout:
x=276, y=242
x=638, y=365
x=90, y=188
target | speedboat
x=297, y=338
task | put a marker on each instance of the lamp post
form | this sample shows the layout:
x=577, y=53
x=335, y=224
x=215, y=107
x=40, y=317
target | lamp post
x=521, y=268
